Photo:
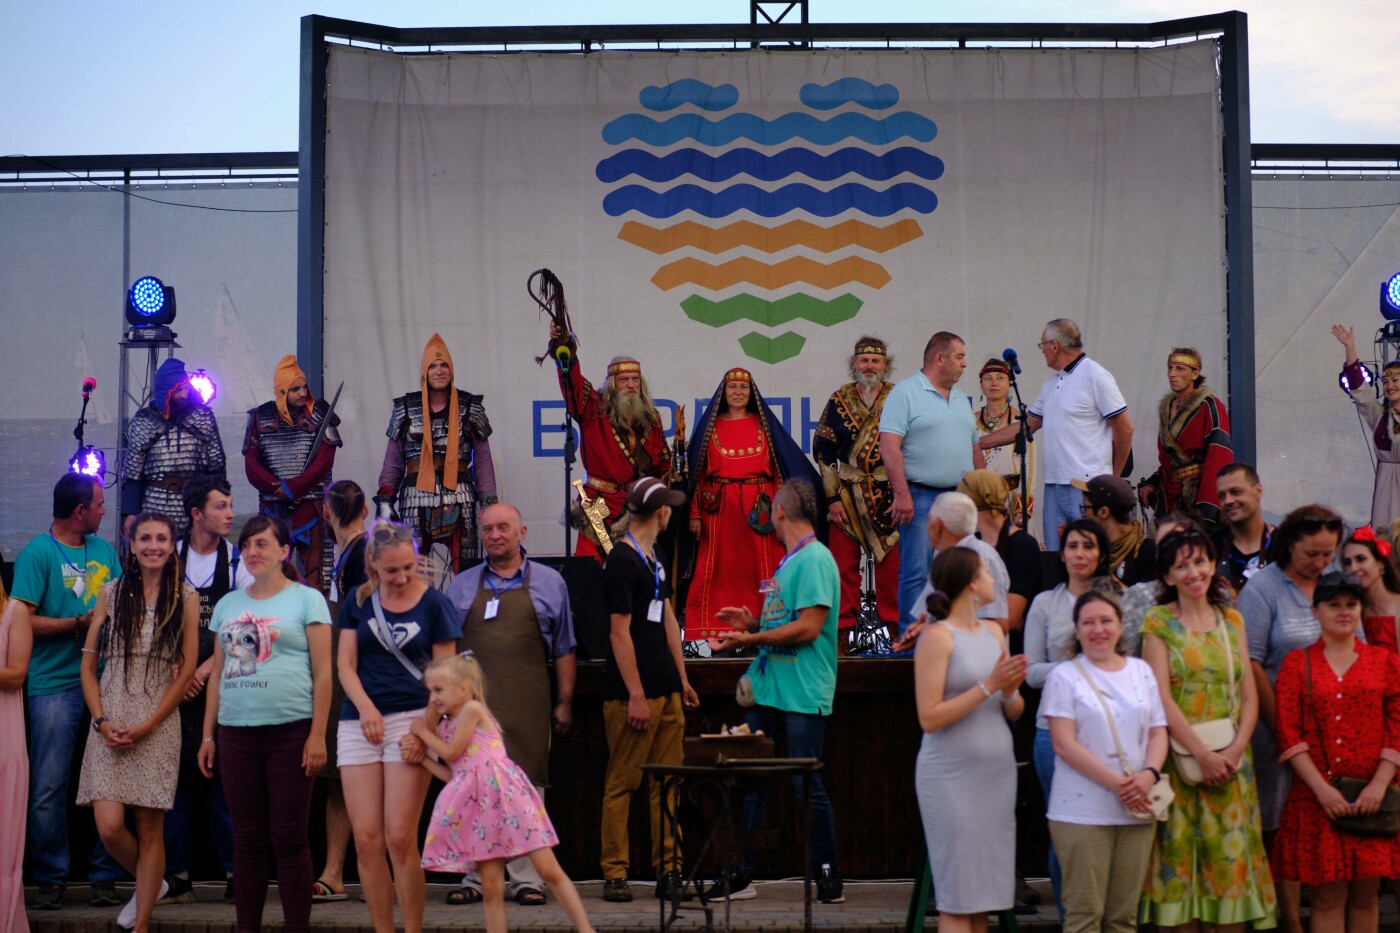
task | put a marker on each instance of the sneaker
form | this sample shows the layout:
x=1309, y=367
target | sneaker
x=829, y=887
x=104, y=894
x=617, y=891
x=672, y=887
x=127, y=918
x=181, y=891
x=734, y=885
x=46, y=897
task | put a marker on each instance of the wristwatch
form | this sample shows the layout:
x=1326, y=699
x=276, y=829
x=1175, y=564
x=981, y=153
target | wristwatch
x=97, y=724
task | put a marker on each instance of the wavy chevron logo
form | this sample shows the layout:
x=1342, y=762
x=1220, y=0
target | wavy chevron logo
x=770, y=221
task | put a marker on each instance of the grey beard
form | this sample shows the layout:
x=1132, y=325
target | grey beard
x=629, y=412
x=868, y=380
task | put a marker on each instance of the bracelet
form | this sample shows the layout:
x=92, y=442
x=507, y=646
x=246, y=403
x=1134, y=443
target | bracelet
x=206, y=741
x=983, y=687
x=1156, y=775
x=88, y=650
x=1008, y=699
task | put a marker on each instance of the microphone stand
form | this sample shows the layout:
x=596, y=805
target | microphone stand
x=82, y=421
x=1023, y=440
x=570, y=452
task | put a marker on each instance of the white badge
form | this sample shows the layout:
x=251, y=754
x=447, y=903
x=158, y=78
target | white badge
x=78, y=586
x=492, y=607
x=654, y=611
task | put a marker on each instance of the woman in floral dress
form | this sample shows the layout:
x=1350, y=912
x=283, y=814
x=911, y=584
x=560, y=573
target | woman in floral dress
x=1209, y=865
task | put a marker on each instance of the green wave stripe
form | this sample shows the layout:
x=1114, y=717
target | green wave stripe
x=771, y=349
x=771, y=313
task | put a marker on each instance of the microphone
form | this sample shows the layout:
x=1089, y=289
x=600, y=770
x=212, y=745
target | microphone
x=1009, y=355
x=88, y=385
x=563, y=356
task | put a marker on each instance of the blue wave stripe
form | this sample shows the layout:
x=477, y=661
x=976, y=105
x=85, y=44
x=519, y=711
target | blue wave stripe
x=849, y=91
x=788, y=198
x=768, y=132
x=689, y=91
x=753, y=163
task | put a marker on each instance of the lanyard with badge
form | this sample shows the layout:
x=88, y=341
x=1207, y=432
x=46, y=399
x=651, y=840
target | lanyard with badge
x=79, y=573
x=655, y=608
x=493, y=605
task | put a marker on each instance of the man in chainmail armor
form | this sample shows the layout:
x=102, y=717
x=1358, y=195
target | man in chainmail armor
x=278, y=459
x=438, y=487
x=169, y=441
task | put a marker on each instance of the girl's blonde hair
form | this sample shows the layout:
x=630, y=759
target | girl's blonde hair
x=464, y=669
x=382, y=536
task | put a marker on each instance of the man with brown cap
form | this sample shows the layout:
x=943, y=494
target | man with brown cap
x=438, y=485
x=856, y=487
x=1193, y=442
x=621, y=431
x=281, y=465
x=1109, y=500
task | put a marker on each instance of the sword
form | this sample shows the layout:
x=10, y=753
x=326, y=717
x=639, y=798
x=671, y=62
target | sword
x=321, y=431
x=596, y=511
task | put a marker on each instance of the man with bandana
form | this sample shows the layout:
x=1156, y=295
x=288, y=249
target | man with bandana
x=169, y=441
x=855, y=486
x=621, y=430
x=280, y=464
x=439, y=485
x=1193, y=442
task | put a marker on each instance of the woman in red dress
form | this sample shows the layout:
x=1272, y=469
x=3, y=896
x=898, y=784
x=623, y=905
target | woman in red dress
x=735, y=476
x=1366, y=560
x=1338, y=716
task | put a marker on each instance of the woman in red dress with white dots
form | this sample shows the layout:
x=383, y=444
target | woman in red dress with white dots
x=1338, y=716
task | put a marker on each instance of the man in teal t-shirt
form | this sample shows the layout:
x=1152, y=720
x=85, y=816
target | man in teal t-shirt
x=58, y=577
x=794, y=675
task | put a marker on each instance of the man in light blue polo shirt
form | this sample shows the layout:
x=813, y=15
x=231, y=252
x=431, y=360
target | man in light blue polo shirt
x=928, y=440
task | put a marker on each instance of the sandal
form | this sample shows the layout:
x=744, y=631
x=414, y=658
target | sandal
x=529, y=897
x=322, y=892
x=464, y=895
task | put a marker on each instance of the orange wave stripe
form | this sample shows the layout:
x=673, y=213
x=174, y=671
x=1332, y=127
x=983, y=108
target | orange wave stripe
x=663, y=240
x=776, y=275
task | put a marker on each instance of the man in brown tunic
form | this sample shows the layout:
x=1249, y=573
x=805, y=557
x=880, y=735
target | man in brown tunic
x=516, y=619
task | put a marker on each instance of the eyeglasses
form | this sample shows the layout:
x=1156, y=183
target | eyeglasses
x=1311, y=524
x=389, y=532
x=1046, y=343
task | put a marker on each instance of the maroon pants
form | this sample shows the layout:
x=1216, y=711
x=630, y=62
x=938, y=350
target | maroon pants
x=269, y=802
x=847, y=554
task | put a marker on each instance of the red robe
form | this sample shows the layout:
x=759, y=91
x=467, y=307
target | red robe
x=611, y=458
x=732, y=559
x=1192, y=447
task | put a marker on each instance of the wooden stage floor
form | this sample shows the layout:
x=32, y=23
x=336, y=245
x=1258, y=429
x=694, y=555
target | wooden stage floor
x=869, y=907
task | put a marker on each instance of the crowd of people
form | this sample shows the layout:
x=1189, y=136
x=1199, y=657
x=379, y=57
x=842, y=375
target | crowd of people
x=1216, y=700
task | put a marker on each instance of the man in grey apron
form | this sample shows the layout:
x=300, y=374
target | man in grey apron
x=516, y=620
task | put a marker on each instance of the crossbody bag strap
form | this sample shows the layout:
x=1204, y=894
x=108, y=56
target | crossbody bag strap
x=1112, y=726
x=1228, y=636
x=380, y=628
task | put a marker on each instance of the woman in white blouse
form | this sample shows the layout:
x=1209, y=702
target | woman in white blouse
x=1098, y=804
x=1049, y=637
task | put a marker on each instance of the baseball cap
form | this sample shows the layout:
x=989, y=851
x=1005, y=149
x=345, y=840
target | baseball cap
x=1107, y=491
x=648, y=494
x=1334, y=584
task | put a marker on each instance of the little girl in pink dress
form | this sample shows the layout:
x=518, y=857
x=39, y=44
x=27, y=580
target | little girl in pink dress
x=489, y=812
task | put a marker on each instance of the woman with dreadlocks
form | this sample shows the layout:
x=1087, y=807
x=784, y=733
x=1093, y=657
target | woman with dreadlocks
x=145, y=626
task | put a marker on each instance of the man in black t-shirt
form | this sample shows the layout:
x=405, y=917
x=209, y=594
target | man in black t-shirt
x=1242, y=540
x=645, y=690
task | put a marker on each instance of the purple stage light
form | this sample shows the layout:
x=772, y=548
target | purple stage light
x=88, y=461
x=203, y=383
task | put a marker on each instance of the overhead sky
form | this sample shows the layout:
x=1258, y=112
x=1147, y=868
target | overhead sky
x=91, y=77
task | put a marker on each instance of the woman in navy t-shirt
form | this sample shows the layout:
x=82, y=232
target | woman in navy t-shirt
x=399, y=624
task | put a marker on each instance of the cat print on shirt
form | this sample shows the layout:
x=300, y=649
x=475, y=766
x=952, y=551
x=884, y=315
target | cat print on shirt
x=247, y=642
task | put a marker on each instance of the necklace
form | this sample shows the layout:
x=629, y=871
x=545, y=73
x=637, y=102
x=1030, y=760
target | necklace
x=990, y=422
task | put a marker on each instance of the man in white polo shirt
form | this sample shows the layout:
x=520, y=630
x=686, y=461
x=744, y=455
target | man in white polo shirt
x=1088, y=431
x=928, y=440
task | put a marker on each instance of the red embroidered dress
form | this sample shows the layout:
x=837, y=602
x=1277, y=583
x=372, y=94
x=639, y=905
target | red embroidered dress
x=1359, y=715
x=731, y=558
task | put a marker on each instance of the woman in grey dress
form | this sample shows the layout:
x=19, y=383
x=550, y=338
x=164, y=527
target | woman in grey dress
x=966, y=687
x=1383, y=421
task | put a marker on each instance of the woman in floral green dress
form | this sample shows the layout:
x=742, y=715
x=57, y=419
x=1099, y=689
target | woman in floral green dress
x=1209, y=865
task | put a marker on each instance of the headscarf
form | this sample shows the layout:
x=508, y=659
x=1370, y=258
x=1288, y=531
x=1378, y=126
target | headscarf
x=286, y=375
x=791, y=462
x=427, y=469
x=169, y=377
x=986, y=488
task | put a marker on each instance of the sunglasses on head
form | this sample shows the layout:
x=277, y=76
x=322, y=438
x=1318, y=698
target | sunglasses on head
x=388, y=533
x=1311, y=524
